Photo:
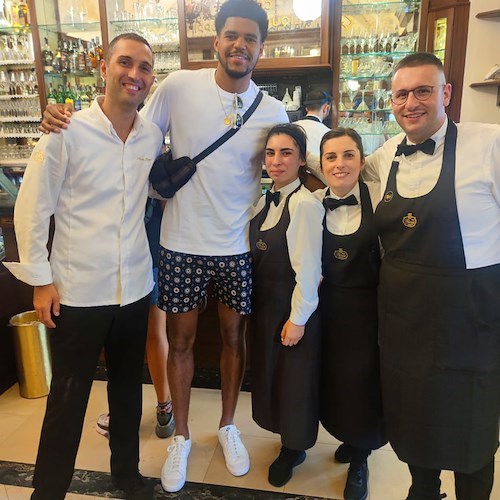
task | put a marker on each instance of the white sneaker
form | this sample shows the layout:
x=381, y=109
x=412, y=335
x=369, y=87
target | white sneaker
x=173, y=472
x=235, y=453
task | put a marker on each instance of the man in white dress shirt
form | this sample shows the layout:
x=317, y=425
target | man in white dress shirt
x=204, y=233
x=318, y=106
x=93, y=291
x=439, y=320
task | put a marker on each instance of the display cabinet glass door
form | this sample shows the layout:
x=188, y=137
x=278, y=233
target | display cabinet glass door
x=374, y=36
x=298, y=33
x=71, y=47
x=156, y=21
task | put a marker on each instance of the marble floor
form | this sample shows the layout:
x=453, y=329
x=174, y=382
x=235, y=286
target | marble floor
x=318, y=477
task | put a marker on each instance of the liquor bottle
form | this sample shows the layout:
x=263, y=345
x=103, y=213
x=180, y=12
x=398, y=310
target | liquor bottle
x=99, y=51
x=47, y=57
x=71, y=58
x=60, y=94
x=89, y=66
x=93, y=55
x=23, y=14
x=80, y=65
x=56, y=63
x=69, y=97
x=64, y=57
x=78, y=99
x=51, y=96
x=84, y=98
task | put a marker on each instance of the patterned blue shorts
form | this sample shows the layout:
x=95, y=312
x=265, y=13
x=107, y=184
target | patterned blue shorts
x=183, y=280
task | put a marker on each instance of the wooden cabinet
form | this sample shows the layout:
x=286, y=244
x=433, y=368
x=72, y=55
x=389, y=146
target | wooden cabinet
x=447, y=26
x=292, y=42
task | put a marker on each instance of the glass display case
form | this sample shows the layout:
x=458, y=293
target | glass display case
x=297, y=37
x=19, y=98
x=70, y=38
x=374, y=35
x=157, y=21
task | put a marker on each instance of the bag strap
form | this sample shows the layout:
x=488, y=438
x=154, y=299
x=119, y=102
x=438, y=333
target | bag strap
x=221, y=140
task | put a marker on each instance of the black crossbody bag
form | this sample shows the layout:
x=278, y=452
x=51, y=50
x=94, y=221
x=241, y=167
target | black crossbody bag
x=168, y=175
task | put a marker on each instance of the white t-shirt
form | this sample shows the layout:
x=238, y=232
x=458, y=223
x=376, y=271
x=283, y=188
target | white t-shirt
x=477, y=183
x=210, y=214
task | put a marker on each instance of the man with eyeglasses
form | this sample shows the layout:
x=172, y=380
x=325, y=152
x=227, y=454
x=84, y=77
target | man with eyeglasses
x=439, y=296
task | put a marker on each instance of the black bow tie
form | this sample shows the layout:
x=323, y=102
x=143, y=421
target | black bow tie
x=333, y=203
x=272, y=197
x=426, y=147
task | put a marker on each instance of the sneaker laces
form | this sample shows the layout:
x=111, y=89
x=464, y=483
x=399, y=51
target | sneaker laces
x=233, y=442
x=176, y=453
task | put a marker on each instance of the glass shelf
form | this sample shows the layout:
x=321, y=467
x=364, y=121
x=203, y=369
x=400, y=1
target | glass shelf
x=144, y=22
x=91, y=27
x=20, y=119
x=375, y=7
x=22, y=96
x=14, y=30
x=17, y=62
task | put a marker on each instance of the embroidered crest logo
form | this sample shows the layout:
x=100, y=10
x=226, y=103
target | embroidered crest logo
x=410, y=220
x=39, y=156
x=388, y=196
x=341, y=254
x=261, y=245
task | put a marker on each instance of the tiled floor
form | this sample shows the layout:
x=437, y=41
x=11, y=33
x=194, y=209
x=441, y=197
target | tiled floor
x=20, y=422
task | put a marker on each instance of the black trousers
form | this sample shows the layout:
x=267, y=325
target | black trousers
x=476, y=486
x=76, y=343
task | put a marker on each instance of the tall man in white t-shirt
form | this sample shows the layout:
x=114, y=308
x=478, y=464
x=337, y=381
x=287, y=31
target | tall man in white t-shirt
x=93, y=291
x=204, y=234
x=439, y=291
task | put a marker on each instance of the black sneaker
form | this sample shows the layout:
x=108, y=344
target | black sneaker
x=135, y=487
x=165, y=423
x=356, y=487
x=281, y=470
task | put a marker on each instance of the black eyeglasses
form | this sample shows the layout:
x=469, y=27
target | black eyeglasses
x=421, y=93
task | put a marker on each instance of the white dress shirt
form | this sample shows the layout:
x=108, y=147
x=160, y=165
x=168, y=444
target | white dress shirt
x=96, y=187
x=346, y=219
x=477, y=183
x=315, y=130
x=304, y=237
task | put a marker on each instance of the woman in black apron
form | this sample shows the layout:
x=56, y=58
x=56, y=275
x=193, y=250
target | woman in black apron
x=285, y=241
x=350, y=399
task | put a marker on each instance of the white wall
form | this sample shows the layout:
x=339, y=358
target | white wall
x=483, y=51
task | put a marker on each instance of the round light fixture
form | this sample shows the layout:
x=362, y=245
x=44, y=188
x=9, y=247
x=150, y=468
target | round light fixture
x=307, y=10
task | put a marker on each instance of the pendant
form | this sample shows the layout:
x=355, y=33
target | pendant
x=227, y=120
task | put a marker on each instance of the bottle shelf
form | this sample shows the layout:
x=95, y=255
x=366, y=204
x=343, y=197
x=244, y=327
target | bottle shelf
x=146, y=23
x=13, y=119
x=8, y=97
x=17, y=62
x=20, y=136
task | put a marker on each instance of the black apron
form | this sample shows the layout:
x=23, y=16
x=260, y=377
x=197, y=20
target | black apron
x=439, y=330
x=284, y=380
x=350, y=400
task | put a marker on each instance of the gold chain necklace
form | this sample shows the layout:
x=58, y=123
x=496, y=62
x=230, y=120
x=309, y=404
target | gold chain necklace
x=227, y=118
x=236, y=121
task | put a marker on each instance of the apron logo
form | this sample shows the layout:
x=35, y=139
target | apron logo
x=261, y=245
x=410, y=220
x=388, y=196
x=340, y=254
